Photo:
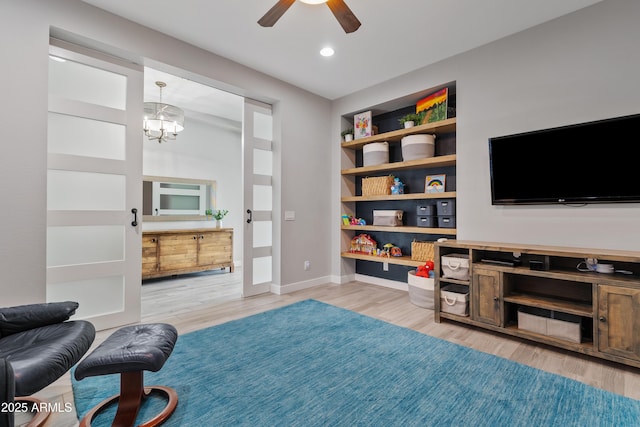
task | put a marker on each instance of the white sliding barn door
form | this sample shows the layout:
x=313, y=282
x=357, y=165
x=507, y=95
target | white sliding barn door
x=257, y=259
x=94, y=182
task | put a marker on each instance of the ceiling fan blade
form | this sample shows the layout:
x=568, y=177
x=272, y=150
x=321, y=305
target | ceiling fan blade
x=272, y=16
x=343, y=14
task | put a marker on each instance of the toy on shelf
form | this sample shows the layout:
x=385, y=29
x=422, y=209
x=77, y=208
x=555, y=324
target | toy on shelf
x=389, y=250
x=397, y=187
x=351, y=220
x=364, y=244
x=357, y=221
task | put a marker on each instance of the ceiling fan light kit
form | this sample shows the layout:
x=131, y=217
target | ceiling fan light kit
x=340, y=10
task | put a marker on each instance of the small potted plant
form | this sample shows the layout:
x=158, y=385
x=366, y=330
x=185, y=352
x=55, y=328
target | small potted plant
x=220, y=213
x=208, y=213
x=347, y=135
x=409, y=120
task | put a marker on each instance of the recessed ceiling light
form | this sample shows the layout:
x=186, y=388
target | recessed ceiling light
x=327, y=51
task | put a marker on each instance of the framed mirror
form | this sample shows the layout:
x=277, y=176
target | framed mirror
x=176, y=199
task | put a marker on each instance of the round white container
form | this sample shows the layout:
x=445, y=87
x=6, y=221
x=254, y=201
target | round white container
x=375, y=153
x=418, y=146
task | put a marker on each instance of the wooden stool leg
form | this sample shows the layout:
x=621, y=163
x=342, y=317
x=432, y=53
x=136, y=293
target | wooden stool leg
x=131, y=391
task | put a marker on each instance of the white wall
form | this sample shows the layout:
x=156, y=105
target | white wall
x=300, y=134
x=207, y=150
x=580, y=67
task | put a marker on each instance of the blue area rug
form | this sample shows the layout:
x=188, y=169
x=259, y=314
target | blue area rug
x=313, y=364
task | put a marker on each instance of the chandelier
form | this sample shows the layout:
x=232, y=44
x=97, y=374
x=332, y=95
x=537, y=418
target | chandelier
x=162, y=122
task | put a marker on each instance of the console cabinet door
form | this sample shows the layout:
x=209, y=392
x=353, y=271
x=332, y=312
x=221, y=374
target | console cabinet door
x=178, y=251
x=485, y=296
x=149, y=254
x=215, y=248
x=619, y=321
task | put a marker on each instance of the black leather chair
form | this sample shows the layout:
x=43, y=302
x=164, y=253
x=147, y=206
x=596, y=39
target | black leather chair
x=37, y=346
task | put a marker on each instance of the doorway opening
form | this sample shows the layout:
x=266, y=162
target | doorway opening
x=209, y=149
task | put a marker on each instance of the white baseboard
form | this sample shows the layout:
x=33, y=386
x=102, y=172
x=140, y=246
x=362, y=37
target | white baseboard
x=341, y=280
x=292, y=287
x=403, y=286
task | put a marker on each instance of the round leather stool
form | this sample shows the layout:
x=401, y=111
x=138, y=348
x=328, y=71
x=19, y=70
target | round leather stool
x=129, y=352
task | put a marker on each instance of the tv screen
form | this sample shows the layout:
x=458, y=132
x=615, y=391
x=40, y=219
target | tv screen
x=591, y=162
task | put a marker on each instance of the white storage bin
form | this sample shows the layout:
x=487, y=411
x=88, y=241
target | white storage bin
x=418, y=146
x=455, y=266
x=376, y=153
x=532, y=320
x=454, y=299
x=565, y=326
x=550, y=323
x=420, y=290
x=387, y=217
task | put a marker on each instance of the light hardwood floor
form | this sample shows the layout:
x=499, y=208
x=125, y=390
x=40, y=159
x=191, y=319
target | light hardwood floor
x=197, y=301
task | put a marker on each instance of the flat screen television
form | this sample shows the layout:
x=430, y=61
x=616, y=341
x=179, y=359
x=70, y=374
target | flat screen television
x=592, y=162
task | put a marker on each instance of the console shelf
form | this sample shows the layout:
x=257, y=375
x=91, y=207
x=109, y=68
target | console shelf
x=551, y=304
x=600, y=311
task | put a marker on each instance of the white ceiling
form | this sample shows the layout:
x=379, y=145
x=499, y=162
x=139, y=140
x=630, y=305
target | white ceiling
x=395, y=37
x=199, y=101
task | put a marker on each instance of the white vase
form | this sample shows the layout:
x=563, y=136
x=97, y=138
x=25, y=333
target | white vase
x=348, y=137
x=218, y=223
x=408, y=124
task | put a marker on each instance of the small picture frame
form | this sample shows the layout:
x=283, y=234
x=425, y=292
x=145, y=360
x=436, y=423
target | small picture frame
x=362, y=125
x=435, y=183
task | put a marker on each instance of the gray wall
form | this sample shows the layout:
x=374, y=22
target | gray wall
x=580, y=67
x=300, y=133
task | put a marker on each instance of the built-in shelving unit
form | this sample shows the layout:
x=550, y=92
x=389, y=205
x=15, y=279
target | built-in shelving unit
x=354, y=202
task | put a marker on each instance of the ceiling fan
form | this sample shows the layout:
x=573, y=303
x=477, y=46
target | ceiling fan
x=340, y=10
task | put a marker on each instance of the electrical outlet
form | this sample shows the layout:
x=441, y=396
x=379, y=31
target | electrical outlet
x=307, y=265
x=385, y=266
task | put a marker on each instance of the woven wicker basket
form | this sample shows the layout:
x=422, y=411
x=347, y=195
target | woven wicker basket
x=422, y=251
x=377, y=186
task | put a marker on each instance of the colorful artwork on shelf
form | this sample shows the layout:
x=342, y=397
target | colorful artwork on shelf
x=434, y=183
x=433, y=108
x=362, y=125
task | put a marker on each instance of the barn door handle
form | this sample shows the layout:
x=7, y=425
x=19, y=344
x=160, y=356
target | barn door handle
x=250, y=216
x=134, y=211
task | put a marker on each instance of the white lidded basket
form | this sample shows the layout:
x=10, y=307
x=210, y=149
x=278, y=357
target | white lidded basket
x=375, y=153
x=418, y=146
